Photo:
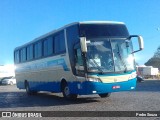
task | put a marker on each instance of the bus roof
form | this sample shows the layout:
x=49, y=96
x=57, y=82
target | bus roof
x=101, y=22
x=68, y=25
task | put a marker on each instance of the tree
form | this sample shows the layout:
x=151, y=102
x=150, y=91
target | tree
x=157, y=53
x=155, y=60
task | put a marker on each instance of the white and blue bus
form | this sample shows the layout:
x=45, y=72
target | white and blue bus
x=82, y=58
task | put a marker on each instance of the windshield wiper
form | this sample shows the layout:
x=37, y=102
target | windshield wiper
x=96, y=64
x=119, y=54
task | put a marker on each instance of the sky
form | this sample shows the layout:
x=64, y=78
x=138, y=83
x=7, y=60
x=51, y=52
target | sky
x=24, y=20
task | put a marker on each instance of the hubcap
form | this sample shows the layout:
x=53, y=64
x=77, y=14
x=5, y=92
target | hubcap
x=66, y=91
x=27, y=89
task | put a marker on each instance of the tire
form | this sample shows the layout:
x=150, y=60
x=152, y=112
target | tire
x=105, y=95
x=28, y=90
x=66, y=92
x=11, y=83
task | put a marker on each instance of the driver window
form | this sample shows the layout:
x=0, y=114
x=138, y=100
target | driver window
x=79, y=60
x=79, y=63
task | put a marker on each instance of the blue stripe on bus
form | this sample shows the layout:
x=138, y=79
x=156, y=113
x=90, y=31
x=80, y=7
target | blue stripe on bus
x=42, y=65
x=58, y=62
x=85, y=87
x=41, y=86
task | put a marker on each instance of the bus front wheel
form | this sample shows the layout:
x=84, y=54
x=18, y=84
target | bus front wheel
x=104, y=95
x=66, y=92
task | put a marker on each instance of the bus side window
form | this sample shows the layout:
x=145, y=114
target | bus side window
x=17, y=60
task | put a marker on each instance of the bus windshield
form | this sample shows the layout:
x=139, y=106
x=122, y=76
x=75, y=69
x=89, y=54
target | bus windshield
x=103, y=30
x=109, y=55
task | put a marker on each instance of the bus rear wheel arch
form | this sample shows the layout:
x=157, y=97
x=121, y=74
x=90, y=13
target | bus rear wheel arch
x=66, y=91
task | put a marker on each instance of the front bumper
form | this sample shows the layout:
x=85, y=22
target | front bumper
x=88, y=87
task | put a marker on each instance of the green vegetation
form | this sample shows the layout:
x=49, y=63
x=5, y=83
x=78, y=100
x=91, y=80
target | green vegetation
x=155, y=60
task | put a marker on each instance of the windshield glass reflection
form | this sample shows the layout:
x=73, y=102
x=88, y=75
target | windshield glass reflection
x=123, y=57
x=100, y=57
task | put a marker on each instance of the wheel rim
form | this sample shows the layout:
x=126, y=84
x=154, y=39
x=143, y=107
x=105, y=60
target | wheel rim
x=27, y=88
x=66, y=91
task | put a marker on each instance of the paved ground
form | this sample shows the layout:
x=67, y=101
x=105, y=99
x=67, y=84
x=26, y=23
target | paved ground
x=145, y=98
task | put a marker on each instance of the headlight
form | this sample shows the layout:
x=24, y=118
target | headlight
x=133, y=75
x=94, y=79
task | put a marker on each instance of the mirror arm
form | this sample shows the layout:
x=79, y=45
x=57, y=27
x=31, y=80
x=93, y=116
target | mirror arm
x=132, y=36
x=140, y=41
x=136, y=51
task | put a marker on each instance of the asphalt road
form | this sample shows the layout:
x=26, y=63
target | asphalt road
x=146, y=97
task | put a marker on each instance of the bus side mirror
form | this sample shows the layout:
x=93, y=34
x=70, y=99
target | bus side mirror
x=140, y=41
x=83, y=44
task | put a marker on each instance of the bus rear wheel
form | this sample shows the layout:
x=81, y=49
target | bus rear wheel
x=66, y=92
x=28, y=91
x=105, y=95
x=11, y=83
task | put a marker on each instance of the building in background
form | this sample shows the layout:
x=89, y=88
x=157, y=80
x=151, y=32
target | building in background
x=6, y=71
x=147, y=71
